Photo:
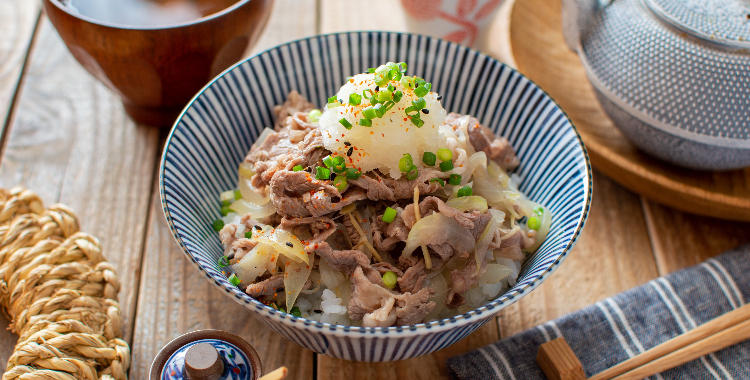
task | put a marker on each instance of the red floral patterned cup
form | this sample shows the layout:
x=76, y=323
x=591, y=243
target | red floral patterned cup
x=463, y=21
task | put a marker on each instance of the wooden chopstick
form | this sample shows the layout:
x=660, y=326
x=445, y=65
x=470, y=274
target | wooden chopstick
x=722, y=339
x=277, y=374
x=726, y=330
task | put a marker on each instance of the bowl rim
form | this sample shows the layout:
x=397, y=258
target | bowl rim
x=69, y=11
x=480, y=314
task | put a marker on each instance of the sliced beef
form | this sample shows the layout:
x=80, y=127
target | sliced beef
x=370, y=303
x=299, y=194
x=413, y=278
x=344, y=261
x=428, y=205
x=267, y=287
x=384, y=188
x=374, y=305
x=320, y=228
x=411, y=308
x=483, y=139
x=295, y=103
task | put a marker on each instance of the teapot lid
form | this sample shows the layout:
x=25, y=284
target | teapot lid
x=722, y=21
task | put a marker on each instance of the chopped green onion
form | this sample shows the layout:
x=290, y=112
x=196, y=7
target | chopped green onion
x=421, y=91
x=446, y=166
x=237, y=194
x=345, y=123
x=412, y=174
x=389, y=279
x=534, y=223
x=444, y=154
x=224, y=210
x=454, y=179
x=407, y=82
x=438, y=180
x=314, y=115
x=389, y=215
x=218, y=224
x=226, y=203
x=380, y=109
x=371, y=70
x=366, y=122
x=296, y=312
x=328, y=161
x=385, y=95
x=223, y=262
x=340, y=183
x=539, y=210
x=370, y=113
x=322, y=173
x=297, y=168
x=429, y=158
x=464, y=191
x=249, y=234
x=402, y=66
x=339, y=165
x=397, y=96
x=405, y=163
x=416, y=120
x=332, y=100
x=355, y=99
x=234, y=280
x=352, y=173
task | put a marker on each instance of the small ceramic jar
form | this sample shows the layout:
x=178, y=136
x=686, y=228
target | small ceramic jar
x=206, y=355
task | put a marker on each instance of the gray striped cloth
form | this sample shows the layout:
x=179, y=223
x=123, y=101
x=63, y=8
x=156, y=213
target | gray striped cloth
x=629, y=323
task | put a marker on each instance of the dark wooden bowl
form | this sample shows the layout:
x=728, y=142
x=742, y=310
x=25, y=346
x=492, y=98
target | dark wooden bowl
x=156, y=71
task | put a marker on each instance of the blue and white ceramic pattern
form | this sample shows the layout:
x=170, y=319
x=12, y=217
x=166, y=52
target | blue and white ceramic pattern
x=237, y=365
x=220, y=124
x=674, y=75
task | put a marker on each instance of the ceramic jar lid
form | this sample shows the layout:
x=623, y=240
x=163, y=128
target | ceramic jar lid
x=721, y=21
x=206, y=355
x=662, y=62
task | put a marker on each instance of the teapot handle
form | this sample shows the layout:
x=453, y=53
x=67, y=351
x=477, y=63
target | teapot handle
x=576, y=16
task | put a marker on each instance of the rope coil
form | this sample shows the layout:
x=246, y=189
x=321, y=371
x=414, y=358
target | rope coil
x=59, y=293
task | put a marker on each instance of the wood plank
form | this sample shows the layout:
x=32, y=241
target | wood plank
x=71, y=142
x=425, y=367
x=17, y=24
x=175, y=296
x=613, y=254
x=681, y=239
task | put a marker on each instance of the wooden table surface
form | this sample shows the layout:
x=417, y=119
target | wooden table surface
x=66, y=136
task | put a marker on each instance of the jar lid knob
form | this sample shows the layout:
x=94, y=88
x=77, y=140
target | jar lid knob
x=202, y=362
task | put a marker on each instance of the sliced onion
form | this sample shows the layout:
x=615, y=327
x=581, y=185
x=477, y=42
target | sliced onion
x=277, y=239
x=243, y=207
x=471, y=202
x=436, y=224
x=295, y=277
x=476, y=163
x=486, y=237
x=256, y=262
x=246, y=170
x=252, y=194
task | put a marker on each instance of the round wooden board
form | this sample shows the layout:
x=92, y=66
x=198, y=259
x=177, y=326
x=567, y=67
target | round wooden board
x=541, y=54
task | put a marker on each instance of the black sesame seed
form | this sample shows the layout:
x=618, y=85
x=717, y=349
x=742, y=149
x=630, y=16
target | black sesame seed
x=377, y=88
x=439, y=98
x=350, y=151
x=231, y=256
x=425, y=111
x=257, y=227
x=317, y=311
x=523, y=220
x=289, y=244
x=347, y=143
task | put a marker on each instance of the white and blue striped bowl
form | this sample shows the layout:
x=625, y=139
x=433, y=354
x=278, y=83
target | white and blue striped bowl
x=217, y=128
